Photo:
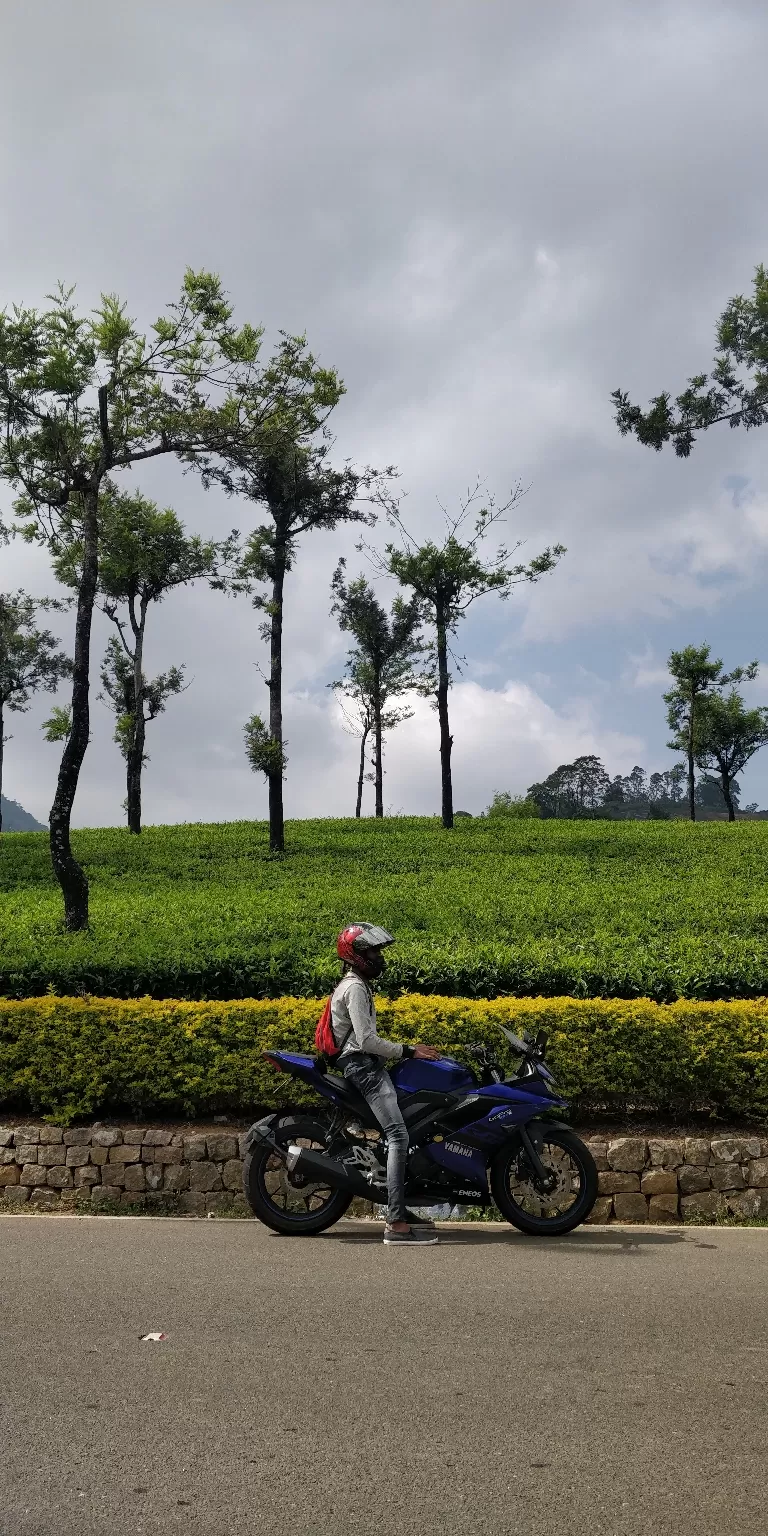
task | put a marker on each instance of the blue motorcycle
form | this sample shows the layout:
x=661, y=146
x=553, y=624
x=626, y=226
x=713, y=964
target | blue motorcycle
x=475, y=1137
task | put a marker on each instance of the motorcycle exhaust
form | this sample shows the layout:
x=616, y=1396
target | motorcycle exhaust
x=327, y=1171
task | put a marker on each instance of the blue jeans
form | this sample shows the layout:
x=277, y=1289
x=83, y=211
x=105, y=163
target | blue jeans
x=372, y=1080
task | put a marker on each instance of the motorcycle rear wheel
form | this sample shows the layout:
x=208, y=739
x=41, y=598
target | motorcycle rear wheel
x=283, y=1201
x=568, y=1205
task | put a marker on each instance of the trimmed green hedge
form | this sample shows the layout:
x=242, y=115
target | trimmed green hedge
x=71, y=1058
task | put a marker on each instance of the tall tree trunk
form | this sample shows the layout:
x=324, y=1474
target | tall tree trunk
x=691, y=781
x=361, y=774
x=446, y=739
x=135, y=755
x=378, y=764
x=275, y=777
x=727, y=796
x=70, y=876
x=2, y=746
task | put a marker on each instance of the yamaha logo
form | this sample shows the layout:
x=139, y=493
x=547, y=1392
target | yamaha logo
x=453, y=1146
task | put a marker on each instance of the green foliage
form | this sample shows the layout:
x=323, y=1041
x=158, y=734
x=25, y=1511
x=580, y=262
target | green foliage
x=264, y=752
x=58, y=726
x=505, y=804
x=70, y=1058
x=506, y=906
x=725, y=395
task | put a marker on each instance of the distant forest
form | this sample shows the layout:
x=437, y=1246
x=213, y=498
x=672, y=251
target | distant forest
x=584, y=788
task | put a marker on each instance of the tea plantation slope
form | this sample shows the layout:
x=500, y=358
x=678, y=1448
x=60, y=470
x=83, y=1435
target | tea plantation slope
x=524, y=908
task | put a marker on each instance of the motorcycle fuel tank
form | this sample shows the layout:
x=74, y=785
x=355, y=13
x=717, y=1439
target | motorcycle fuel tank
x=442, y=1076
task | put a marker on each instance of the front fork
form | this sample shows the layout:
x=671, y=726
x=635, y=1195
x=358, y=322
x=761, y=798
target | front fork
x=544, y=1178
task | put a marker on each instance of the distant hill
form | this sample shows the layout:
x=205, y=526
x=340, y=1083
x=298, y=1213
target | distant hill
x=16, y=819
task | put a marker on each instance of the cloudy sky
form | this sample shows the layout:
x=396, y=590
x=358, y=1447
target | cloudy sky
x=487, y=216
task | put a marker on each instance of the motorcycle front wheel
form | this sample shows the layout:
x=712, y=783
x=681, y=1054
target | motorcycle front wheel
x=546, y=1213
x=290, y=1203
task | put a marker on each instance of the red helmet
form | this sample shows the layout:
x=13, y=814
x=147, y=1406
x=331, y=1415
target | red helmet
x=359, y=944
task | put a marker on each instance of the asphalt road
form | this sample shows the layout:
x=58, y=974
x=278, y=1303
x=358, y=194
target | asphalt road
x=614, y=1381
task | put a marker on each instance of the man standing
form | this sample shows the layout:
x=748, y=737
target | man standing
x=362, y=1058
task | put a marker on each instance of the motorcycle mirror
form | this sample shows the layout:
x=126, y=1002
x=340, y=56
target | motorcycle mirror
x=541, y=1041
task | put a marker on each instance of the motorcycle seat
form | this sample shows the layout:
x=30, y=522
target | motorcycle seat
x=350, y=1096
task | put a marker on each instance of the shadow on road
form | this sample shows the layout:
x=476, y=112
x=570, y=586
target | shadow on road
x=594, y=1240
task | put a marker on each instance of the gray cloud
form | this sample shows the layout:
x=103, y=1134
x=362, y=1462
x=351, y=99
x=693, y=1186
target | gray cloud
x=488, y=218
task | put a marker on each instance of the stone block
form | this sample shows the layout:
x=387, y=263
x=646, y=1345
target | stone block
x=60, y=1177
x=26, y=1152
x=33, y=1174
x=133, y=1197
x=99, y=1155
x=50, y=1157
x=10, y=1173
x=46, y=1198
x=696, y=1150
x=727, y=1176
x=667, y=1153
x=176, y=1176
x=107, y=1136
x=709, y=1204
x=6, y=1136
x=221, y=1148
x=27, y=1134
x=630, y=1208
x=232, y=1174
x=242, y=1144
x=659, y=1181
x=15, y=1193
x=113, y=1174
x=726, y=1149
x=758, y=1173
x=8, y=1154
x=627, y=1154
x=85, y=1177
x=78, y=1136
x=745, y=1202
x=124, y=1154
x=204, y=1177
x=751, y=1146
x=53, y=1135
x=663, y=1209
x=169, y=1154
x=598, y=1148
x=157, y=1138
x=134, y=1135
x=692, y=1179
x=78, y=1155
x=194, y=1148
x=220, y=1201
x=104, y=1195
x=193, y=1202
x=618, y=1183
x=600, y=1212
x=153, y=1174
x=134, y=1177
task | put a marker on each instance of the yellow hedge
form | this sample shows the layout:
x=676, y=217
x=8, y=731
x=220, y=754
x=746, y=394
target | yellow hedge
x=69, y=1058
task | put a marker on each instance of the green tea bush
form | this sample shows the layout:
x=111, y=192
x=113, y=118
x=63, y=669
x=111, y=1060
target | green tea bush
x=499, y=906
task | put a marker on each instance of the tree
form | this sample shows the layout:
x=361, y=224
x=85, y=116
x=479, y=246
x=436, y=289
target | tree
x=301, y=493
x=728, y=735
x=574, y=789
x=511, y=807
x=82, y=396
x=382, y=666
x=144, y=555
x=695, y=677
x=29, y=660
x=446, y=578
x=725, y=394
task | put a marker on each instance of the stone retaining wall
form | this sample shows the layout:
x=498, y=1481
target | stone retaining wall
x=662, y=1179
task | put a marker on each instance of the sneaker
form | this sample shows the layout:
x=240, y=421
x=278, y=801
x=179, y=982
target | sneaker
x=414, y=1236
x=421, y=1223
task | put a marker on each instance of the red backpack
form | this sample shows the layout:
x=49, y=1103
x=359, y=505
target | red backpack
x=325, y=1040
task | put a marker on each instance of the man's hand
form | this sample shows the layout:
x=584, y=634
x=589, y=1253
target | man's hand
x=426, y=1053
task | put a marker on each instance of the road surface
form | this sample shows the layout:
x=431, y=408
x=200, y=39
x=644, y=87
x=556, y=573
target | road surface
x=614, y=1381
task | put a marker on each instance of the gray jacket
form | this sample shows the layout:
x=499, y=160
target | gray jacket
x=353, y=1014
